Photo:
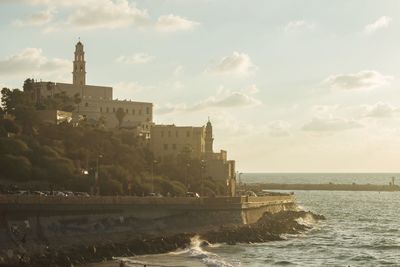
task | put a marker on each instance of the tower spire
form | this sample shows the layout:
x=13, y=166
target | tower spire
x=79, y=71
x=209, y=139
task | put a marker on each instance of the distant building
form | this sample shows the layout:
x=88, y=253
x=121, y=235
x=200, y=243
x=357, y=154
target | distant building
x=97, y=101
x=168, y=141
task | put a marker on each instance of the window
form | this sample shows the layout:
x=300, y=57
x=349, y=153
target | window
x=169, y=133
x=101, y=109
x=147, y=110
x=126, y=111
x=140, y=112
x=114, y=110
x=173, y=146
x=86, y=104
x=187, y=134
x=133, y=111
x=162, y=134
x=165, y=146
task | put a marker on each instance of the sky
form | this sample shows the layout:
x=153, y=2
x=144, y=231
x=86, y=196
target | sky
x=289, y=86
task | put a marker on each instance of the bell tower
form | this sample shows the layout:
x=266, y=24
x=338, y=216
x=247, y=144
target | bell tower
x=209, y=139
x=79, y=72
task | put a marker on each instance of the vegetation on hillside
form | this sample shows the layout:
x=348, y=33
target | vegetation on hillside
x=40, y=156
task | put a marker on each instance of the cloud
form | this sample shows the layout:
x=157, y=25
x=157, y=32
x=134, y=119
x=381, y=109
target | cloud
x=223, y=99
x=252, y=89
x=138, y=58
x=366, y=79
x=380, y=110
x=127, y=90
x=279, y=129
x=36, y=19
x=382, y=22
x=107, y=14
x=178, y=70
x=237, y=64
x=330, y=124
x=31, y=61
x=173, y=23
x=299, y=25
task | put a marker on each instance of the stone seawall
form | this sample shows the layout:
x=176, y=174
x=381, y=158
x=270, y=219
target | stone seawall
x=31, y=224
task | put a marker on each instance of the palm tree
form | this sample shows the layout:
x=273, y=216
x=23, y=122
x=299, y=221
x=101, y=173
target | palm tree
x=120, y=114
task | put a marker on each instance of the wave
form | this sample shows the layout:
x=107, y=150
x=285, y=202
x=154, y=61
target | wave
x=208, y=258
x=307, y=220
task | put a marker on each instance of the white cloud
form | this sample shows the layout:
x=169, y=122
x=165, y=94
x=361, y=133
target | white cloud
x=138, y=58
x=36, y=19
x=330, y=124
x=223, y=99
x=127, y=90
x=252, y=89
x=31, y=61
x=237, y=64
x=382, y=22
x=178, y=70
x=366, y=79
x=279, y=129
x=299, y=25
x=173, y=23
x=107, y=14
x=380, y=110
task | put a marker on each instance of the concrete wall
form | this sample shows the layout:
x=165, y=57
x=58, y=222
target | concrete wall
x=33, y=222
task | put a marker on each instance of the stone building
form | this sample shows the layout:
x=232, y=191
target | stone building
x=97, y=101
x=168, y=141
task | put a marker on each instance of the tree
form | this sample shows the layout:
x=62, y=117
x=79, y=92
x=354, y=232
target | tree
x=120, y=114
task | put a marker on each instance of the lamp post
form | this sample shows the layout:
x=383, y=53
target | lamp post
x=240, y=179
x=96, y=177
x=152, y=175
x=186, y=176
x=202, y=164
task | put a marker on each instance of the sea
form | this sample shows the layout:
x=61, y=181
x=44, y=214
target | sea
x=361, y=229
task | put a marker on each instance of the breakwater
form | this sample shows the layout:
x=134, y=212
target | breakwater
x=257, y=187
x=32, y=226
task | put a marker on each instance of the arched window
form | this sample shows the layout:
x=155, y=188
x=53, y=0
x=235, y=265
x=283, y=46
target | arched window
x=86, y=104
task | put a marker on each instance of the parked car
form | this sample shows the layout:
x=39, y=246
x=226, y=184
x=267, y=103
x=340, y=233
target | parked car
x=38, y=193
x=81, y=194
x=155, y=195
x=192, y=194
x=68, y=193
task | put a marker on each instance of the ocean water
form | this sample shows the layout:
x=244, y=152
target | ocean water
x=361, y=229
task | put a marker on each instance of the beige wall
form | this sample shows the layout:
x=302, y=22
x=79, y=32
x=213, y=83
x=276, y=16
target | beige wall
x=170, y=140
x=138, y=114
x=90, y=92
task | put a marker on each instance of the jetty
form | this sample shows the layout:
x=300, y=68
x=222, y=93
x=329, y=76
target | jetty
x=259, y=187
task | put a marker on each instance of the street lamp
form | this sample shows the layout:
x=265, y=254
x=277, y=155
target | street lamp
x=240, y=179
x=202, y=164
x=96, y=176
x=152, y=175
x=186, y=176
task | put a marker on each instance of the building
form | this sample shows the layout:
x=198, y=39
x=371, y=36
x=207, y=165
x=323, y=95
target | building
x=97, y=101
x=168, y=141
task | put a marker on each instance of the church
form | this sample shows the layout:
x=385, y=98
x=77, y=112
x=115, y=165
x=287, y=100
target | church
x=97, y=101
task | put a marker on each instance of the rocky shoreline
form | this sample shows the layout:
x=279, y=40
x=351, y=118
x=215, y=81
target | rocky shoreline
x=268, y=228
